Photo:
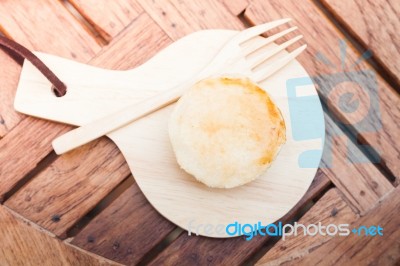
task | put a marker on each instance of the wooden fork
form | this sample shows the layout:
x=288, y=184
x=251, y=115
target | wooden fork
x=233, y=58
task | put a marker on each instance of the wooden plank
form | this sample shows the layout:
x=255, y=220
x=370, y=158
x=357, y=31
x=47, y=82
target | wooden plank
x=108, y=17
x=51, y=28
x=330, y=209
x=22, y=244
x=376, y=24
x=77, y=181
x=188, y=250
x=361, y=183
x=322, y=37
x=37, y=33
x=179, y=18
x=126, y=230
x=362, y=250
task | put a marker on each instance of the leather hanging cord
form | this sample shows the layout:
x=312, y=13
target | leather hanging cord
x=18, y=52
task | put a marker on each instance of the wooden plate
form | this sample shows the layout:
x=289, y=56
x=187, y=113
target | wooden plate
x=94, y=92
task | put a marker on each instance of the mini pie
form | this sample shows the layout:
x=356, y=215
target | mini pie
x=226, y=131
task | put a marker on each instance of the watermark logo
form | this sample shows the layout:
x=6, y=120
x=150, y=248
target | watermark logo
x=280, y=230
x=350, y=97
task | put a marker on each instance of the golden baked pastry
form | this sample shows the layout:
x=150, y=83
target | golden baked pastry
x=226, y=131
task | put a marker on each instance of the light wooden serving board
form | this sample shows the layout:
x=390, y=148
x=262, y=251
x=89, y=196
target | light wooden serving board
x=94, y=93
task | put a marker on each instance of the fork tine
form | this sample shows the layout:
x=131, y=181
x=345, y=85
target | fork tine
x=267, y=54
x=259, y=29
x=277, y=64
x=254, y=47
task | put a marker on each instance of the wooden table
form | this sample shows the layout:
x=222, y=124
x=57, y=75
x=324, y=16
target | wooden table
x=88, y=201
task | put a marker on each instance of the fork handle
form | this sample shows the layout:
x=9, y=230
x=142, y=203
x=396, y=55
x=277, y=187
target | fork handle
x=110, y=123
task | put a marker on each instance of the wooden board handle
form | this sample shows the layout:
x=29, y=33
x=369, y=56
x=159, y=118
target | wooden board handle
x=103, y=126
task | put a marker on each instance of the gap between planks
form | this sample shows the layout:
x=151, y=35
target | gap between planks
x=101, y=205
x=307, y=204
x=85, y=24
x=370, y=154
x=43, y=164
x=358, y=44
x=330, y=209
x=153, y=253
x=39, y=248
x=258, y=254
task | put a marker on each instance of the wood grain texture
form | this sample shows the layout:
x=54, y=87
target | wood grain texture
x=376, y=24
x=126, y=230
x=236, y=6
x=365, y=250
x=22, y=244
x=47, y=26
x=34, y=25
x=179, y=18
x=23, y=148
x=323, y=38
x=139, y=42
x=108, y=17
x=9, y=73
x=330, y=209
x=62, y=193
x=198, y=250
x=92, y=171
x=361, y=183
